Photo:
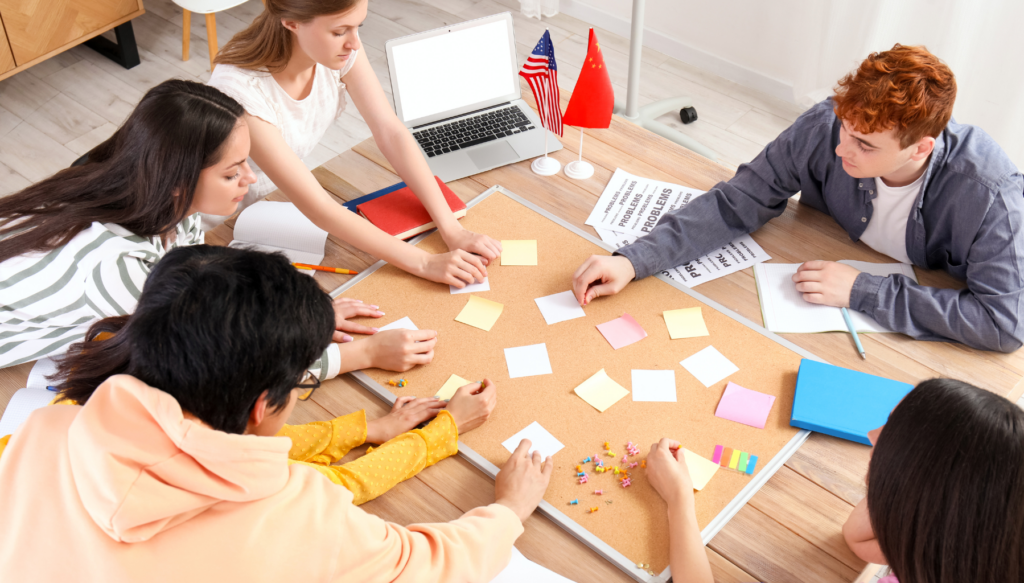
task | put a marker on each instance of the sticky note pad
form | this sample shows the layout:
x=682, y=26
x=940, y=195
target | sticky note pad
x=709, y=366
x=750, y=465
x=735, y=459
x=519, y=252
x=403, y=324
x=654, y=385
x=726, y=456
x=745, y=406
x=559, y=307
x=742, y=466
x=601, y=391
x=701, y=469
x=717, y=458
x=483, y=286
x=450, y=386
x=480, y=313
x=622, y=331
x=540, y=440
x=527, y=361
x=685, y=323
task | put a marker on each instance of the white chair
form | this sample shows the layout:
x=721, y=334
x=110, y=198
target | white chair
x=207, y=7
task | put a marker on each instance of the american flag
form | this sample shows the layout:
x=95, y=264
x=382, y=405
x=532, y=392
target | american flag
x=541, y=72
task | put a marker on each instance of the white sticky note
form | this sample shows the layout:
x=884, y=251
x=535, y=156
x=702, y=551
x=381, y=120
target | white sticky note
x=403, y=324
x=559, y=307
x=654, y=385
x=483, y=286
x=709, y=366
x=540, y=440
x=527, y=361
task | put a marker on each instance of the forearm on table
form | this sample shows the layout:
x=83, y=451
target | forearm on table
x=687, y=556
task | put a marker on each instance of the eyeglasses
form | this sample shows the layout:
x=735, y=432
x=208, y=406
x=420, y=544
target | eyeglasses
x=310, y=382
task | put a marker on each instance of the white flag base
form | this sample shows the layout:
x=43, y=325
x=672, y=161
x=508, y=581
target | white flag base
x=579, y=170
x=546, y=166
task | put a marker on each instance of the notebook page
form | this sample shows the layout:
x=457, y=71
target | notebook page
x=280, y=224
x=22, y=403
x=292, y=255
x=43, y=368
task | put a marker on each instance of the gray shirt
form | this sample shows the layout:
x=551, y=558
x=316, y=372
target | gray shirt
x=968, y=220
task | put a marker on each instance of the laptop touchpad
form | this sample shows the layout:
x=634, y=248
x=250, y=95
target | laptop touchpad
x=493, y=155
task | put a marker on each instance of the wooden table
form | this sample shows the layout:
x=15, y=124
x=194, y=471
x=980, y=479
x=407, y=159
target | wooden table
x=790, y=530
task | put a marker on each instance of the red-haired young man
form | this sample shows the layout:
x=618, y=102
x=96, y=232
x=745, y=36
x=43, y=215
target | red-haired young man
x=883, y=158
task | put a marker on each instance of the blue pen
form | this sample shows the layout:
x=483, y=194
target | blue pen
x=853, y=332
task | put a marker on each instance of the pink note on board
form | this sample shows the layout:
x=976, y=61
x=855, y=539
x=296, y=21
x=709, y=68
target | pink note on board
x=622, y=331
x=745, y=406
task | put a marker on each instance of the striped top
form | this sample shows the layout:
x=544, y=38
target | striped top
x=49, y=299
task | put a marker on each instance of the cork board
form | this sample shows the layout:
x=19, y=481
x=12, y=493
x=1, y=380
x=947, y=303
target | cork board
x=634, y=524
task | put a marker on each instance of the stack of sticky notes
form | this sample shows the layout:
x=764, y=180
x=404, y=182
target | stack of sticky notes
x=745, y=406
x=735, y=459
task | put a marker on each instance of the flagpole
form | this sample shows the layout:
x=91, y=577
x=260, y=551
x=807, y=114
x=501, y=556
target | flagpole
x=581, y=145
x=579, y=169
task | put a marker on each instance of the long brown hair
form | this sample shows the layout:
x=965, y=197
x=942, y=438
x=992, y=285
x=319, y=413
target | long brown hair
x=266, y=43
x=142, y=178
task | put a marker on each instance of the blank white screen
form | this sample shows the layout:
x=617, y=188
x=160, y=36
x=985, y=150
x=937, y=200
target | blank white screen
x=453, y=70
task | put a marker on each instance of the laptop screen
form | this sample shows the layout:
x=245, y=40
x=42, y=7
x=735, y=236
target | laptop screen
x=453, y=70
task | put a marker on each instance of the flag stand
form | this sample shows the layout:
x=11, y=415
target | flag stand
x=579, y=169
x=544, y=165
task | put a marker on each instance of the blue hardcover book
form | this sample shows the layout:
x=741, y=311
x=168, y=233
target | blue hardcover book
x=842, y=402
x=352, y=204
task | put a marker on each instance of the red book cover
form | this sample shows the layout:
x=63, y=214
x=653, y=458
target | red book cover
x=402, y=215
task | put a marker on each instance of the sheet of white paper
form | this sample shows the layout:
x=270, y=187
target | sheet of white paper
x=21, y=404
x=559, y=307
x=43, y=368
x=633, y=204
x=521, y=569
x=527, y=361
x=540, y=440
x=785, y=310
x=709, y=366
x=485, y=285
x=292, y=255
x=279, y=226
x=654, y=385
x=403, y=324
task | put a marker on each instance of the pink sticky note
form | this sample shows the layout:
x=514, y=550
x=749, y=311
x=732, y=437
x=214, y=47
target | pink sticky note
x=745, y=406
x=622, y=331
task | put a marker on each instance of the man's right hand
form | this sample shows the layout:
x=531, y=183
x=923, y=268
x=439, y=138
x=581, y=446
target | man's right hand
x=601, y=275
x=522, y=481
x=400, y=350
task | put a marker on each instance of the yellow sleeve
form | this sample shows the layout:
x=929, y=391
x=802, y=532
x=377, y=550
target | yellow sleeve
x=396, y=460
x=3, y=443
x=325, y=442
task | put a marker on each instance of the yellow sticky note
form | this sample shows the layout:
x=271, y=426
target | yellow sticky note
x=701, y=469
x=480, y=313
x=519, y=252
x=601, y=391
x=449, y=387
x=685, y=323
x=735, y=459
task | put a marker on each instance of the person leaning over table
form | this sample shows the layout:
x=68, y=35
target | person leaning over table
x=170, y=468
x=884, y=158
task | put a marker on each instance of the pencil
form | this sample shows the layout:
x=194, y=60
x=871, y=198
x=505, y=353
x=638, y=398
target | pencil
x=328, y=269
x=853, y=332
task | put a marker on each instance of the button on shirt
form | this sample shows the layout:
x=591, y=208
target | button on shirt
x=967, y=220
x=887, y=231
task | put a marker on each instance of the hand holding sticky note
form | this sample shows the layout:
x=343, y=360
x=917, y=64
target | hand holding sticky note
x=701, y=469
x=601, y=391
x=447, y=390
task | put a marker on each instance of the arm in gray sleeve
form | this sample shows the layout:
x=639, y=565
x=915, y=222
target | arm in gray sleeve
x=986, y=315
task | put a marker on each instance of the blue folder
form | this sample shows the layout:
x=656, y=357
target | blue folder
x=842, y=402
x=352, y=204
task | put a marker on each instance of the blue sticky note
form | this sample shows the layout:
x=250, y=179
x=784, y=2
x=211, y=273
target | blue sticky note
x=842, y=402
x=750, y=465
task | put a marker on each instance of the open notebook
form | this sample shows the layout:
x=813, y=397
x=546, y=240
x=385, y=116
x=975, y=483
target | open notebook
x=27, y=400
x=279, y=227
x=784, y=309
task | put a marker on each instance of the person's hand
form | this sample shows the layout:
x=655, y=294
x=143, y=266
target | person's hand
x=467, y=240
x=667, y=472
x=826, y=282
x=405, y=415
x=472, y=404
x=522, y=481
x=400, y=350
x=457, y=267
x=345, y=308
x=601, y=275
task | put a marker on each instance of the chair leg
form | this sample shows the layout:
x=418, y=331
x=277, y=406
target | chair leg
x=186, y=26
x=211, y=36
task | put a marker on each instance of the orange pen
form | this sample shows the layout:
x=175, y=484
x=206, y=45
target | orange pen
x=328, y=269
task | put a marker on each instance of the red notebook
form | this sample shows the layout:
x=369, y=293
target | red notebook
x=401, y=214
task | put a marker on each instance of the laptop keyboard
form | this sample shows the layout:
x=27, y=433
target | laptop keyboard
x=470, y=131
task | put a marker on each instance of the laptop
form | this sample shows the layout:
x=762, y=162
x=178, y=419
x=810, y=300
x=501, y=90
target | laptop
x=457, y=90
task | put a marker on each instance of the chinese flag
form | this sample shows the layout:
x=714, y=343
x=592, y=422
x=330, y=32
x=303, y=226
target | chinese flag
x=593, y=99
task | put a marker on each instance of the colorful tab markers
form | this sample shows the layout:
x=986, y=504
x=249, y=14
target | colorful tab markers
x=735, y=459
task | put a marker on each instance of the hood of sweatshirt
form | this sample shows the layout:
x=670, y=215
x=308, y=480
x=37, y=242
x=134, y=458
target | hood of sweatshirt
x=141, y=468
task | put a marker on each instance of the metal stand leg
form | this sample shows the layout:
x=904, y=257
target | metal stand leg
x=124, y=52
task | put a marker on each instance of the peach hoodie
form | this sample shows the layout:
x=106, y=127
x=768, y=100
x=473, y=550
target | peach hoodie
x=126, y=489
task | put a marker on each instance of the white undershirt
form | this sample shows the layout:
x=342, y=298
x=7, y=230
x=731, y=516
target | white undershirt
x=887, y=231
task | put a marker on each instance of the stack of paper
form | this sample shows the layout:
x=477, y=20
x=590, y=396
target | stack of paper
x=280, y=227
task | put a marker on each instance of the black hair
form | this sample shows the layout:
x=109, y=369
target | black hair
x=214, y=327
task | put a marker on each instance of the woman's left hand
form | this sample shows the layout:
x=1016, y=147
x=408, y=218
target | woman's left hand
x=482, y=245
x=345, y=308
x=405, y=415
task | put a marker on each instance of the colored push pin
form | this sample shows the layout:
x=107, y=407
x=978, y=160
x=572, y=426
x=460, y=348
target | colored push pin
x=594, y=509
x=599, y=469
x=606, y=446
x=579, y=468
x=574, y=502
x=580, y=474
x=625, y=459
x=625, y=482
x=598, y=492
x=610, y=453
x=633, y=464
x=643, y=464
x=586, y=460
x=583, y=479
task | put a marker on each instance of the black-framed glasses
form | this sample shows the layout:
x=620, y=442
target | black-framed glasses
x=310, y=382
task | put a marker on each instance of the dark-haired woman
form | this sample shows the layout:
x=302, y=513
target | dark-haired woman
x=291, y=69
x=945, y=492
